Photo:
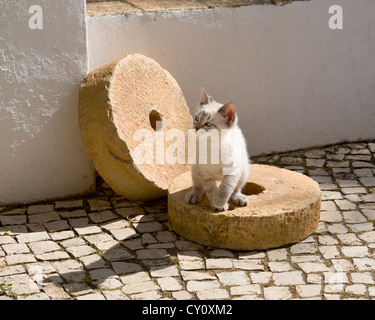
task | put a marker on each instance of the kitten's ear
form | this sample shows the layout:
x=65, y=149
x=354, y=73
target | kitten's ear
x=205, y=98
x=228, y=112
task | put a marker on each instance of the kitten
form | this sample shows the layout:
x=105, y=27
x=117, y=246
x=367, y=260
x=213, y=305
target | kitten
x=210, y=116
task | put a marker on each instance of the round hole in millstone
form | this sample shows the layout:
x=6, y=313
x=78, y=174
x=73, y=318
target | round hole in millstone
x=251, y=189
x=156, y=120
x=284, y=208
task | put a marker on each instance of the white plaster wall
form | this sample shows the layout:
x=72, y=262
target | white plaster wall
x=41, y=152
x=295, y=82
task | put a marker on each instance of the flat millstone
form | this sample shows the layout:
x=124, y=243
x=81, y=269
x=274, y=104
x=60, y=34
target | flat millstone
x=284, y=208
x=119, y=99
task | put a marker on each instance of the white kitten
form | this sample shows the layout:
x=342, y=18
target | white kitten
x=213, y=117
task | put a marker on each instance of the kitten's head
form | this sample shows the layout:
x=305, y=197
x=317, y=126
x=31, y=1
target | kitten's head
x=214, y=115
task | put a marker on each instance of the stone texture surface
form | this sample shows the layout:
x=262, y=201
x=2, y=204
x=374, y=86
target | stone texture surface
x=102, y=7
x=154, y=5
x=88, y=262
x=116, y=101
x=109, y=7
x=286, y=211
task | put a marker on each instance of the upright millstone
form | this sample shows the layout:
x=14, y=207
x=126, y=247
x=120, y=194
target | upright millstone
x=129, y=110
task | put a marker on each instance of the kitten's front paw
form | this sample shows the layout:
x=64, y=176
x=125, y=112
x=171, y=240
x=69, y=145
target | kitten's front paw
x=221, y=208
x=240, y=200
x=219, y=203
x=193, y=197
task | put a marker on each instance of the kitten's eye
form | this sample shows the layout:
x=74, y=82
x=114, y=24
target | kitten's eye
x=209, y=124
x=196, y=119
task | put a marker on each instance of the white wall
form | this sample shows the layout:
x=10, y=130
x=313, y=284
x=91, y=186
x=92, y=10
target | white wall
x=41, y=151
x=296, y=83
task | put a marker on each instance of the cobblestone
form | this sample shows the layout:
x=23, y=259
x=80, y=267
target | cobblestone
x=277, y=293
x=214, y=294
x=19, y=259
x=233, y=278
x=106, y=247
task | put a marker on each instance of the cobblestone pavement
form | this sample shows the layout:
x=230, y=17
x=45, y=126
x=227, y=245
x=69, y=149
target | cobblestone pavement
x=105, y=247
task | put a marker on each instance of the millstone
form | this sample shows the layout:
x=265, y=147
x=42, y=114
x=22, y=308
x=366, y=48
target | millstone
x=284, y=208
x=119, y=99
